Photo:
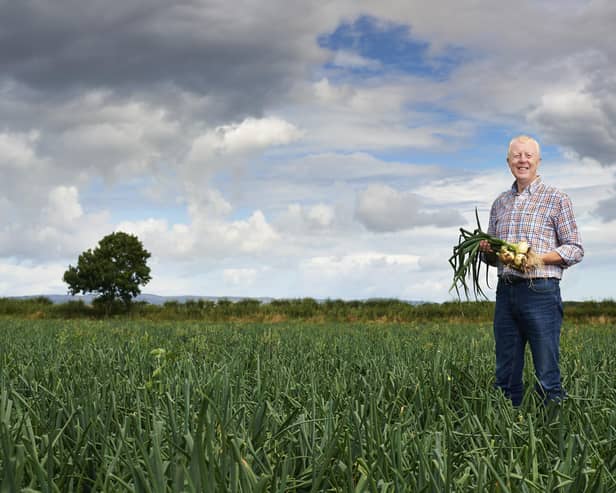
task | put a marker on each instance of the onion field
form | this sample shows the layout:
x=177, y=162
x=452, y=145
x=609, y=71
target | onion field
x=123, y=405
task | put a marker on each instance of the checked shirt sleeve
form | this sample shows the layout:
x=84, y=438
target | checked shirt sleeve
x=570, y=245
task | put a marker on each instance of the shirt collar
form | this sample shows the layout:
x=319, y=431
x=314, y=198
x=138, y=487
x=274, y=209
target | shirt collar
x=530, y=189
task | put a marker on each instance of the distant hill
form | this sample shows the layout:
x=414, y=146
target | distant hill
x=152, y=299
x=155, y=299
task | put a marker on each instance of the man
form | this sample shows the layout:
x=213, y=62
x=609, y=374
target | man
x=528, y=304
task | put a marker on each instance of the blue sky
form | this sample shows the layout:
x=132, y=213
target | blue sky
x=387, y=47
x=322, y=150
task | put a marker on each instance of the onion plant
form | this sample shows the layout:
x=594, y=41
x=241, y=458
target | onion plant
x=295, y=407
x=467, y=258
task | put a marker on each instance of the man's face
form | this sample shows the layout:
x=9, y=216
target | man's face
x=523, y=161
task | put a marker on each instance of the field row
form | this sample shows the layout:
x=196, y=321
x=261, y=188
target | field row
x=279, y=310
x=135, y=406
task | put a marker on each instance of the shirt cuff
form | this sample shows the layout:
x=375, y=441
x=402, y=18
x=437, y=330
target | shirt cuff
x=571, y=254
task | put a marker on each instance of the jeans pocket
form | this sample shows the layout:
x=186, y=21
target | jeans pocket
x=543, y=286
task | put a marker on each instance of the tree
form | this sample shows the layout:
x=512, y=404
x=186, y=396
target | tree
x=114, y=269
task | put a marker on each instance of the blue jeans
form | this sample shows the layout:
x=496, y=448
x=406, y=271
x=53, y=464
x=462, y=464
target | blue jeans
x=528, y=311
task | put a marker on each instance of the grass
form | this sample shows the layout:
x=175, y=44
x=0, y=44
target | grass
x=290, y=310
x=124, y=405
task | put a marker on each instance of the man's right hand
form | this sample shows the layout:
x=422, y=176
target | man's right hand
x=484, y=246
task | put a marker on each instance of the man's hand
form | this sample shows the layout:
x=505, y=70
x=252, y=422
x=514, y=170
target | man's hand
x=484, y=246
x=489, y=255
x=552, y=258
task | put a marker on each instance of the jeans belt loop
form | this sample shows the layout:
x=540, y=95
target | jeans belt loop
x=507, y=279
x=513, y=279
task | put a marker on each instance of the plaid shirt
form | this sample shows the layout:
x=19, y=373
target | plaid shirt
x=543, y=216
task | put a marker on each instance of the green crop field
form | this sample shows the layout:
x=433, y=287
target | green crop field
x=124, y=405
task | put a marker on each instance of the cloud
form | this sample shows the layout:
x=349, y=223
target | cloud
x=255, y=133
x=110, y=137
x=95, y=134
x=581, y=120
x=205, y=237
x=19, y=279
x=381, y=208
x=299, y=219
x=53, y=226
x=606, y=209
x=208, y=203
x=373, y=115
x=320, y=215
x=555, y=79
x=228, y=141
x=350, y=59
x=239, y=277
x=252, y=235
x=268, y=141
x=239, y=61
x=24, y=170
x=63, y=206
x=16, y=150
x=370, y=273
x=331, y=167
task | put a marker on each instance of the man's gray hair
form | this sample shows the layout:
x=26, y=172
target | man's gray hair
x=524, y=138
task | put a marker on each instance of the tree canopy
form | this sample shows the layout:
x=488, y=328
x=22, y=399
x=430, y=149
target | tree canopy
x=113, y=270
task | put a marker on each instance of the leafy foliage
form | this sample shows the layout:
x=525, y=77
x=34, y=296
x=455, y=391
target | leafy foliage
x=307, y=309
x=114, y=270
x=295, y=407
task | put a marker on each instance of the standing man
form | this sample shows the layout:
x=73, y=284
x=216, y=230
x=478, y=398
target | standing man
x=528, y=304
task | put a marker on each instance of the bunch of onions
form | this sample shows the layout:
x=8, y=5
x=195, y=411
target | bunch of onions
x=518, y=256
x=467, y=259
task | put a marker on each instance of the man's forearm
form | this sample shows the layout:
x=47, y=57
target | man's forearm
x=552, y=258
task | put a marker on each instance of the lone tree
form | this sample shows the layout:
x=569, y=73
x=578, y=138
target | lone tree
x=114, y=269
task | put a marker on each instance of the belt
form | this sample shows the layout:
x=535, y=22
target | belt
x=518, y=279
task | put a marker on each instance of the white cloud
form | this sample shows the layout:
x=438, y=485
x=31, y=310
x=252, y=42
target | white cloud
x=113, y=138
x=16, y=150
x=349, y=59
x=382, y=100
x=161, y=240
x=606, y=208
x=18, y=279
x=248, y=136
x=67, y=240
x=332, y=167
x=204, y=238
x=63, y=206
x=147, y=228
x=381, y=208
x=307, y=219
x=374, y=116
x=253, y=235
x=333, y=266
x=582, y=120
x=239, y=277
x=255, y=133
x=207, y=202
x=327, y=93
x=364, y=274
x=53, y=227
x=121, y=145
x=320, y=215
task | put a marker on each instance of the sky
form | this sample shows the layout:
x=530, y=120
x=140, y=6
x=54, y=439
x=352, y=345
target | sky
x=287, y=149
